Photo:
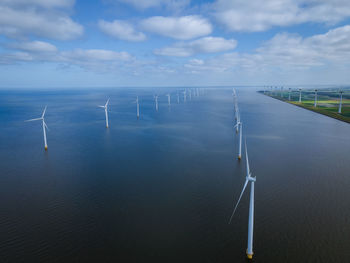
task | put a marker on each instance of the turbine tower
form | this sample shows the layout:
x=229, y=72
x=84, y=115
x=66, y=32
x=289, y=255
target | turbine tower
x=315, y=104
x=168, y=95
x=178, y=98
x=340, y=102
x=240, y=140
x=42, y=118
x=289, y=94
x=137, y=107
x=184, y=92
x=156, y=100
x=299, y=95
x=106, y=111
x=252, y=180
x=238, y=120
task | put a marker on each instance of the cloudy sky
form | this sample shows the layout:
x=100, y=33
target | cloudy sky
x=96, y=43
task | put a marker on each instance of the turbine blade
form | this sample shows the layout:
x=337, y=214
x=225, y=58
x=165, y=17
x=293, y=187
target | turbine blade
x=42, y=116
x=46, y=126
x=244, y=187
x=235, y=126
x=37, y=119
x=107, y=102
x=100, y=106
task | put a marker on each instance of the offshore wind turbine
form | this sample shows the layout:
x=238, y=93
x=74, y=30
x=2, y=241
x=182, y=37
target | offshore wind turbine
x=340, y=101
x=156, y=101
x=299, y=95
x=238, y=120
x=106, y=111
x=184, y=92
x=178, y=98
x=137, y=107
x=168, y=95
x=252, y=180
x=190, y=93
x=315, y=104
x=239, y=127
x=42, y=118
x=240, y=140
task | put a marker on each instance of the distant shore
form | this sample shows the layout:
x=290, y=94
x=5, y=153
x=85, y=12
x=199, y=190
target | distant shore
x=327, y=111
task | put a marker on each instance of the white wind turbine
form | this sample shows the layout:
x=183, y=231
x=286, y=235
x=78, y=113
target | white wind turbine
x=156, y=101
x=340, y=101
x=252, y=180
x=137, y=107
x=315, y=104
x=239, y=127
x=238, y=119
x=106, y=111
x=168, y=95
x=178, y=98
x=190, y=93
x=289, y=94
x=184, y=92
x=299, y=95
x=42, y=118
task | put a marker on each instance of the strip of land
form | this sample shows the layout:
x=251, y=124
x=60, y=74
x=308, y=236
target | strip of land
x=326, y=105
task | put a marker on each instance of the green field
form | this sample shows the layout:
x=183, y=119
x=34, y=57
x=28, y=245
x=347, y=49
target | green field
x=327, y=101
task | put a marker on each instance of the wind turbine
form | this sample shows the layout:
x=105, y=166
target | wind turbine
x=340, y=102
x=184, y=92
x=190, y=93
x=234, y=98
x=178, y=98
x=137, y=107
x=289, y=94
x=168, y=95
x=239, y=126
x=252, y=180
x=238, y=120
x=42, y=118
x=299, y=95
x=315, y=104
x=156, y=100
x=106, y=111
x=240, y=140
x=281, y=92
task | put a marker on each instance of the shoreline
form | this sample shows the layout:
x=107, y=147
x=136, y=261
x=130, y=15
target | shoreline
x=333, y=115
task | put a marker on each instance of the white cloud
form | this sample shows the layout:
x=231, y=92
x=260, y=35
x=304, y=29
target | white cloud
x=254, y=15
x=97, y=60
x=21, y=19
x=169, y=4
x=95, y=55
x=202, y=45
x=121, y=30
x=34, y=46
x=41, y=3
x=184, y=28
x=285, y=52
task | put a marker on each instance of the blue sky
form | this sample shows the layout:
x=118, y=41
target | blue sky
x=118, y=43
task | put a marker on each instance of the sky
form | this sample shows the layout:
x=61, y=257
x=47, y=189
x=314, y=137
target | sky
x=145, y=43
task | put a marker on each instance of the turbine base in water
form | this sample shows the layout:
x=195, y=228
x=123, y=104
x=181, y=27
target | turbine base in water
x=249, y=256
x=45, y=148
x=239, y=157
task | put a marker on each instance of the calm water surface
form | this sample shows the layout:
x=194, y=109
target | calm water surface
x=162, y=188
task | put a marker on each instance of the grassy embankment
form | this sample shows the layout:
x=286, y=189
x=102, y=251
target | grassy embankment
x=326, y=103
